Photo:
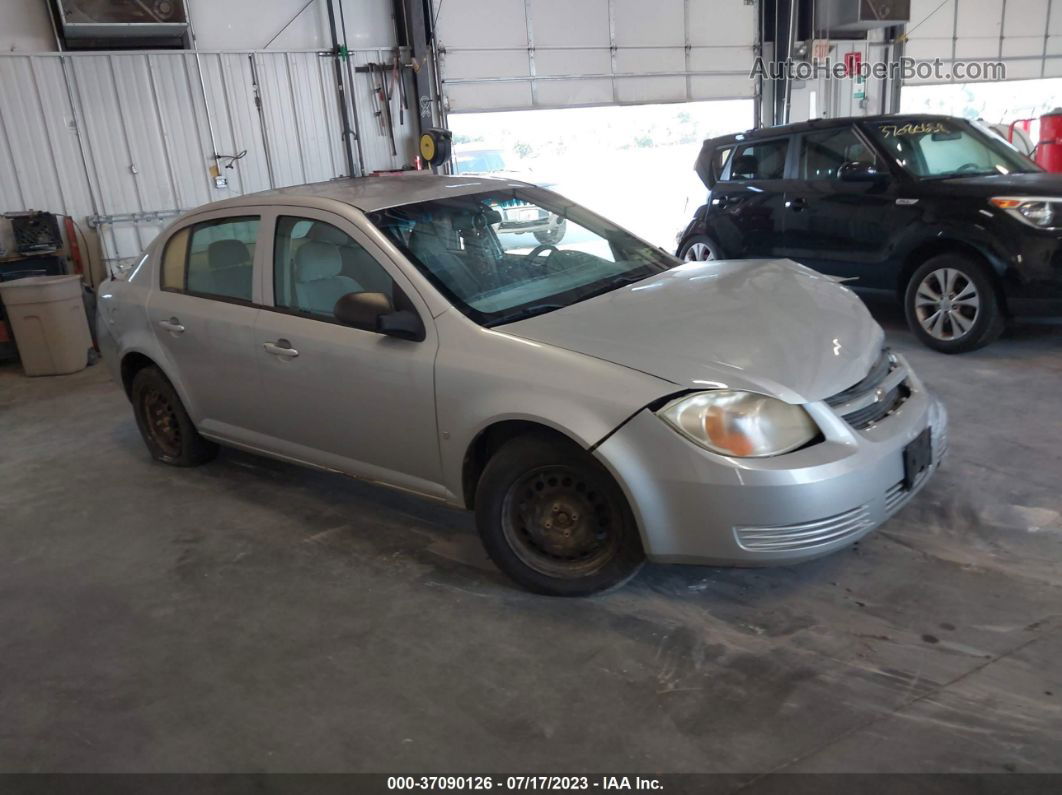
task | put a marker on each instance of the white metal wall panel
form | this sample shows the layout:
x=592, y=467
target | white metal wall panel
x=518, y=54
x=1025, y=34
x=40, y=163
x=136, y=145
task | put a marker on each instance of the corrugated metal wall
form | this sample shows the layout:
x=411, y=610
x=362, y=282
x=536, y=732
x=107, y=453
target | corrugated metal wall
x=146, y=120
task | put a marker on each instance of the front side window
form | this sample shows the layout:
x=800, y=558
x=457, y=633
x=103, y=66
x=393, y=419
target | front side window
x=479, y=251
x=762, y=160
x=936, y=149
x=823, y=153
x=214, y=259
x=315, y=264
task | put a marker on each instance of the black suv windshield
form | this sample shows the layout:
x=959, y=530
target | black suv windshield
x=939, y=148
x=483, y=251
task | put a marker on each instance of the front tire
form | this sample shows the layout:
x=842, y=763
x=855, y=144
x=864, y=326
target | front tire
x=165, y=426
x=952, y=304
x=554, y=520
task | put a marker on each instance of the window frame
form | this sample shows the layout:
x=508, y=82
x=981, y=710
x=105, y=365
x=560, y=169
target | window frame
x=213, y=219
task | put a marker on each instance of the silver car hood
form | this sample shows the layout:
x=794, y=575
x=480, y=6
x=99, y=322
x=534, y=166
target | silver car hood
x=769, y=326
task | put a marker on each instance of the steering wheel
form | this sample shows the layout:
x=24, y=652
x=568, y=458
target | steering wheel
x=538, y=251
x=967, y=167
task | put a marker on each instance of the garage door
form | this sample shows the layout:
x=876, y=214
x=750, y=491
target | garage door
x=1026, y=35
x=520, y=54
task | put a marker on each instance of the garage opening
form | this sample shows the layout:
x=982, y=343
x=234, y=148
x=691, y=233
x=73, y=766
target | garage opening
x=632, y=164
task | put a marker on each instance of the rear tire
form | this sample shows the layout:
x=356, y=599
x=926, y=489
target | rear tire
x=165, y=426
x=699, y=248
x=554, y=520
x=952, y=304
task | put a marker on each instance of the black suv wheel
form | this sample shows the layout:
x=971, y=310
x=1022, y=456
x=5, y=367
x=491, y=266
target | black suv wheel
x=698, y=248
x=952, y=304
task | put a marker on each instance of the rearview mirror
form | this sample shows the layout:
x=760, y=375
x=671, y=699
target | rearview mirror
x=858, y=172
x=375, y=312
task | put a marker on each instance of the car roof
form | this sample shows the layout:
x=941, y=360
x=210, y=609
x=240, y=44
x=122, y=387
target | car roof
x=371, y=193
x=820, y=124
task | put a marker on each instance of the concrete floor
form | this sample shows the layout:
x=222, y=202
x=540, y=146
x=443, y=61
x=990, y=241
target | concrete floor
x=254, y=616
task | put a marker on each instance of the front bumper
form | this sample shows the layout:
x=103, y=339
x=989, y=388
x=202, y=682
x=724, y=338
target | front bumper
x=694, y=506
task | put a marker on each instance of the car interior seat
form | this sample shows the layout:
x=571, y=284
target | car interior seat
x=230, y=270
x=319, y=281
x=429, y=244
x=358, y=264
x=745, y=167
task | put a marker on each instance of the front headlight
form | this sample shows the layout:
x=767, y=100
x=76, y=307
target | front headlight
x=1035, y=212
x=741, y=424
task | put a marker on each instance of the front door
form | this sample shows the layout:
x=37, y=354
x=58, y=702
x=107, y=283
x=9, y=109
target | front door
x=745, y=212
x=345, y=398
x=837, y=227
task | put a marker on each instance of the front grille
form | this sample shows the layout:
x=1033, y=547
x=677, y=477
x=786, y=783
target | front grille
x=806, y=535
x=880, y=393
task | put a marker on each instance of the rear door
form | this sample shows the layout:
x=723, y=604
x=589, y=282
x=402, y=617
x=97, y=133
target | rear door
x=837, y=227
x=745, y=214
x=346, y=398
x=203, y=316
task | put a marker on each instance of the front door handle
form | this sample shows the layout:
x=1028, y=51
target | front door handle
x=173, y=325
x=281, y=348
x=796, y=205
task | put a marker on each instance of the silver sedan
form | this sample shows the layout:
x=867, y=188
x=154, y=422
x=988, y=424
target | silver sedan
x=595, y=401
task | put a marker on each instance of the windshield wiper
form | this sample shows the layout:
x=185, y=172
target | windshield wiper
x=524, y=312
x=614, y=284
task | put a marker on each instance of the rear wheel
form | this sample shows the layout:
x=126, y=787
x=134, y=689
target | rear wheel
x=699, y=248
x=952, y=304
x=553, y=519
x=165, y=426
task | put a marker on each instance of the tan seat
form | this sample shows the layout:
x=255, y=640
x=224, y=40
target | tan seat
x=319, y=282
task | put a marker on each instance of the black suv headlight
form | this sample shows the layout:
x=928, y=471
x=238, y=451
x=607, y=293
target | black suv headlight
x=1043, y=213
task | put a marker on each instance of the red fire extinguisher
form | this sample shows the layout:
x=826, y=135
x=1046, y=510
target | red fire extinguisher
x=1049, y=148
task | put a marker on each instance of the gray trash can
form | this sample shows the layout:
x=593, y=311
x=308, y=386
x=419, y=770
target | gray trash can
x=47, y=316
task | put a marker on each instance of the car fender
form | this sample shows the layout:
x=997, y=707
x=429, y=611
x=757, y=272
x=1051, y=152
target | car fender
x=485, y=376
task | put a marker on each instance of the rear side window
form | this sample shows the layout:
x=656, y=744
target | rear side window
x=214, y=259
x=823, y=153
x=761, y=160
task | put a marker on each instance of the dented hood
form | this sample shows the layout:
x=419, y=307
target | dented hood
x=769, y=326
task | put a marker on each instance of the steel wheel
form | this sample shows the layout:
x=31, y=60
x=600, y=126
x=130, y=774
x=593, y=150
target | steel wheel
x=162, y=424
x=558, y=523
x=947, y=304
x=698, y=252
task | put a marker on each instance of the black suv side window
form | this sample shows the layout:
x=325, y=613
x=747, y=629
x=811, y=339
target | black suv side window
x=760, y=160
x=823, y=153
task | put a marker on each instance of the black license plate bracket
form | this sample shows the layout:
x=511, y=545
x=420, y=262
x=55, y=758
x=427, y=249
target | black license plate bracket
x=917, y=458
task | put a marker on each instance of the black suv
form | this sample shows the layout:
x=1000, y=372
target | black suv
x=938, y=210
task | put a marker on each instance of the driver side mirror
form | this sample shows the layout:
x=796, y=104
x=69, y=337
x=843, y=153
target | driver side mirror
x=375, y=312
x=859, y=172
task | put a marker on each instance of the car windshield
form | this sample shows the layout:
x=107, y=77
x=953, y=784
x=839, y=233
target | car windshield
x=479, y=162
x=939, y=148
x=505, y=255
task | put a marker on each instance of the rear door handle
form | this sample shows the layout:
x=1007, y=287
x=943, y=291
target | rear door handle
x=281, y=348
x=796, y=205
x=173, y=325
